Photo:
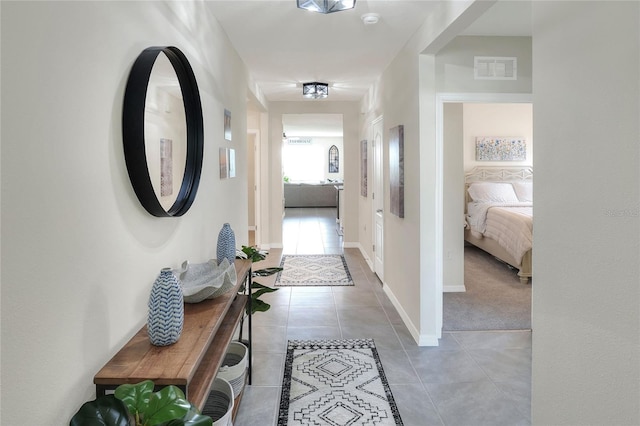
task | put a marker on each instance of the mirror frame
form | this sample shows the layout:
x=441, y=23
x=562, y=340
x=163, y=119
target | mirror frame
x=133, y=120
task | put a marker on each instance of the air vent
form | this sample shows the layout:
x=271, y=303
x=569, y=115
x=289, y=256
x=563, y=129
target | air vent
x=495, y=68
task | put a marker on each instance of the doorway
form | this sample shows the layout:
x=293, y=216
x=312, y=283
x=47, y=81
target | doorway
x=465, y=117
x=313, y=170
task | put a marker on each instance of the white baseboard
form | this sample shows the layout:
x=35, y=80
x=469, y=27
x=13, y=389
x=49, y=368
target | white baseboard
x=454, y=288
x=421, y=339
x=252, y=228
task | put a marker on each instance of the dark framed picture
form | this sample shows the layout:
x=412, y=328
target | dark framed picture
x=396, y=169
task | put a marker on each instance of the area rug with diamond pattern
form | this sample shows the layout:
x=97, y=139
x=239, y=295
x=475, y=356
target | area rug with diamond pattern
x=337, y=383
x=313, y=270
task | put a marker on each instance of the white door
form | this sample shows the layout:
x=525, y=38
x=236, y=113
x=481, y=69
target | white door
x=378, y=198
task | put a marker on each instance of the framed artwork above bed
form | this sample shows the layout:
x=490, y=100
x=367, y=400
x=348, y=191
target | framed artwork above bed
x=492, y=148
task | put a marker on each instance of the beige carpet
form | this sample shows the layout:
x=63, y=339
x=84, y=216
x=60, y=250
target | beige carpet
x=495, y=299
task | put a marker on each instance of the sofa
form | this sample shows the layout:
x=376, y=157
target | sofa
x=302, y=194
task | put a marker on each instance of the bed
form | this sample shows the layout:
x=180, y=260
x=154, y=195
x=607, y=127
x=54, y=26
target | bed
x=499, y=214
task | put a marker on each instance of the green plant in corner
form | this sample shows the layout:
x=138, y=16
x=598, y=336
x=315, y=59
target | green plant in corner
x=139, y=405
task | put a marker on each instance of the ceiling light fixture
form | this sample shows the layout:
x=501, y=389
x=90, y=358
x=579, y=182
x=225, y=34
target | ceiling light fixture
x=370, y=18
x=315, y=90
x=326, y=6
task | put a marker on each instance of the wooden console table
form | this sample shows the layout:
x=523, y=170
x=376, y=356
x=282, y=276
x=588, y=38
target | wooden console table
x=193, y=361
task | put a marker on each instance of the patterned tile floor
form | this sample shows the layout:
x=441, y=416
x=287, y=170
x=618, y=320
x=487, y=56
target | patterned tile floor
x=472, y=378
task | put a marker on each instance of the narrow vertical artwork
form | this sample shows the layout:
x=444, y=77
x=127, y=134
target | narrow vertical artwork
x=396, y=169
x=232, y=163
x=224, y=163
x=227, y=124
x=166, y=167
x=363, y=168
x=334, y=159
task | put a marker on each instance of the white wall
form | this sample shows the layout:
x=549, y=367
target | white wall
x=79, y=253
x=586, y=288
x=482, y=119
x=453, y=196
x=454, y=64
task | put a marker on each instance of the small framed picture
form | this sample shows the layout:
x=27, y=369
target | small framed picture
x=224, y=163
x=227, y=125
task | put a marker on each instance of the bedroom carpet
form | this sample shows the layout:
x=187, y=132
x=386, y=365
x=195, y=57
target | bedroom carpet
x=335, y=382
x=313, y=270
x=495, y=299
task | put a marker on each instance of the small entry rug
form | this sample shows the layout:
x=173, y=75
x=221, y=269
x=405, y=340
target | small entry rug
x=337, y=383
x=313, y=270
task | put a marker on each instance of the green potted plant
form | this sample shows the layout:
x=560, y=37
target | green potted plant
x=138, y=405
x=256, y=255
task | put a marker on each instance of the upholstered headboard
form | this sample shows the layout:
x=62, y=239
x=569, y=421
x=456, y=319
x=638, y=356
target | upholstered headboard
x=496, y=174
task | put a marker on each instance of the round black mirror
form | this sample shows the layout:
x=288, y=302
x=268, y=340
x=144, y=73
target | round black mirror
x=162, y=131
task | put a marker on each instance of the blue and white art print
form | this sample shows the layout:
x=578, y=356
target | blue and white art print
x=490, y=148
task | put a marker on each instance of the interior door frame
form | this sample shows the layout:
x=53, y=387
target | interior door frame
x=441, y=99
x=253, y=139
x=377, y=171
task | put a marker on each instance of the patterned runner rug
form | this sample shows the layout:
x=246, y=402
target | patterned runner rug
x=337, y=383
x=313, y=270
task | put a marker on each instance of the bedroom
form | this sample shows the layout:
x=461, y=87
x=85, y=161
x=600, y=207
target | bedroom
x=468, y=296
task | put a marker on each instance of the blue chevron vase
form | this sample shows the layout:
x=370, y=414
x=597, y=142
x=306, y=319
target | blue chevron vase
x=166, y=310
x=226, y=244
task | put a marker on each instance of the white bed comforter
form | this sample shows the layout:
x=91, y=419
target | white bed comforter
x=510, y=224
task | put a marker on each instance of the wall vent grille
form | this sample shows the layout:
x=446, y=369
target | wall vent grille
x=495, y=68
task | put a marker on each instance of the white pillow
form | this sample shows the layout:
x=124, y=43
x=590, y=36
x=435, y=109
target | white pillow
x=524, y=191
x=492, y=192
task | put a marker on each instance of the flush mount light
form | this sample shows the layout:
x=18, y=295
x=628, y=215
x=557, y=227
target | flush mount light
x=326, y=6
x=315, y=90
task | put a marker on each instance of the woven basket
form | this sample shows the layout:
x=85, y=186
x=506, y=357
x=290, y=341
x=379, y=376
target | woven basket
x=219, y=405
x=234, y=366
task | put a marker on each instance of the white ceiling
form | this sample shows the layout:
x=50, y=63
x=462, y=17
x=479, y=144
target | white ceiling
x=284, y=46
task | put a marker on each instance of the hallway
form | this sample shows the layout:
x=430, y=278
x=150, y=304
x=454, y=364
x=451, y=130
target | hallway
x=472, y=378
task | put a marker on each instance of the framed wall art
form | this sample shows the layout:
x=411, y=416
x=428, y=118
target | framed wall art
x=396, y=169
x=224, y=163
x=227, y=125
x=166, y=167
x=492, y=148
x=334, y=159
x=363, y=168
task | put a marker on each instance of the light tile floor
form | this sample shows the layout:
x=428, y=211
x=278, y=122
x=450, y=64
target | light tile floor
x=472, y=378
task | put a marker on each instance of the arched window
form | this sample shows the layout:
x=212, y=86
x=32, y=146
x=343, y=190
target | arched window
x=334, y=159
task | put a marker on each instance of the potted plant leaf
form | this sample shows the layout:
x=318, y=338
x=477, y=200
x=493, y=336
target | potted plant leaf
x=256, y=255
x=138, y=405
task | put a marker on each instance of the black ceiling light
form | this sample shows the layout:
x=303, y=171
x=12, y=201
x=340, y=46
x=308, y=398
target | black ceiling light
x=315, y=90
x=326, y=6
